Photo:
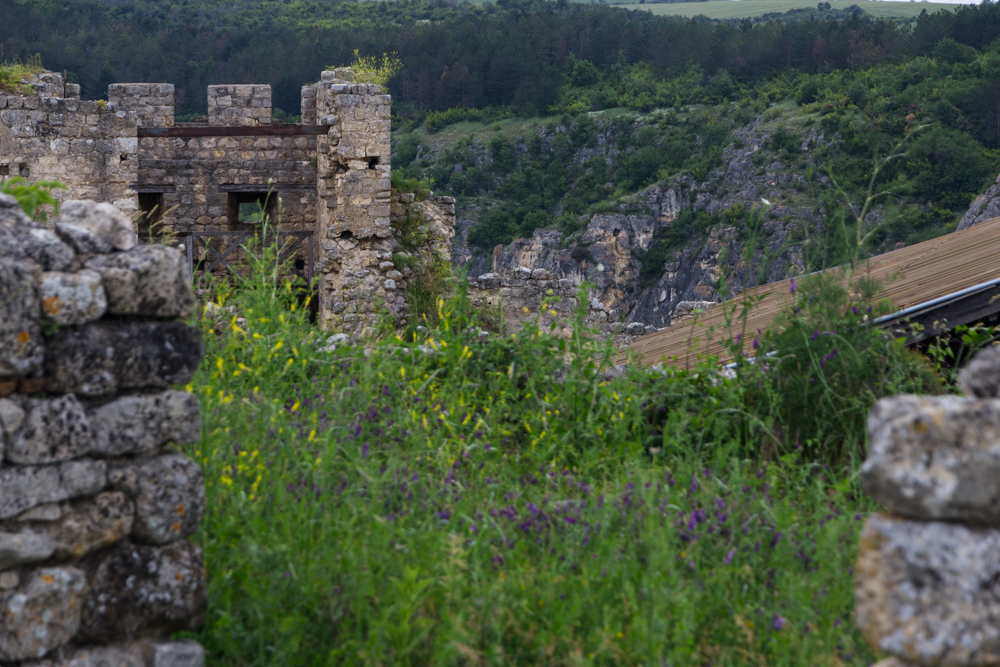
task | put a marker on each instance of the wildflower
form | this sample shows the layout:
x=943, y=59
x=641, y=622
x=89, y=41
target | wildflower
x=778, y=622
x=815, y=335
x=827, y=358
x=729, y=557
x=791, y=288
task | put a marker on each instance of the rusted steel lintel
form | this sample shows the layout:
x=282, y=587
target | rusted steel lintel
x=250, y=131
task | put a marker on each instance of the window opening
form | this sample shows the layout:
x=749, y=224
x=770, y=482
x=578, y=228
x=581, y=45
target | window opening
x=249, y=210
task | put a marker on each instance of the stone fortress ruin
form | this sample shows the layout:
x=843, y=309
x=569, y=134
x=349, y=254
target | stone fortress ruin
x=325, y=180
x=327, y=177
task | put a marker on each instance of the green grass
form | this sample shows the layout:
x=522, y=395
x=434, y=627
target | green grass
x=728, y=9
x=454, y=501
x=13, y=72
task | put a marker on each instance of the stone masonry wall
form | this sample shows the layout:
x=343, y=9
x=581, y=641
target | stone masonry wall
x=236, y=105
x=91, y=147
x=95, y=504
x=197, y=174
x=927, y=587
x=353, y=229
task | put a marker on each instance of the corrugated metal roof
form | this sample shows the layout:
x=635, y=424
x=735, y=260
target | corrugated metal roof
x=912, y=276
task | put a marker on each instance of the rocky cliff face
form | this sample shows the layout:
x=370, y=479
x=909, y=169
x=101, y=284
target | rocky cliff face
x=610, y=252
x=701, y=262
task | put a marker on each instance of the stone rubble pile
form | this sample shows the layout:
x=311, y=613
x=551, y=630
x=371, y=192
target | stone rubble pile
x=95, y=507
x=927, y=587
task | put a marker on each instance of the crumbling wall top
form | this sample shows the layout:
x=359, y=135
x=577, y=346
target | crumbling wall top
x=239, y=105
x=152, y=103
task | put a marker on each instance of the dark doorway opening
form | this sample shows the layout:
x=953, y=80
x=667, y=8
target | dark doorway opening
x=150, y=225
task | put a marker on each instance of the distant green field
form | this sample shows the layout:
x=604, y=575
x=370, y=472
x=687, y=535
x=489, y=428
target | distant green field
x=729, y=9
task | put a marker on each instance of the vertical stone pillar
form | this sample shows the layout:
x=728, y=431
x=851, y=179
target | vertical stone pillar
x=239, y=106
x=131, y=106
x=96, y=503
x=308, y=106
x=352, y=224
x=927, y=579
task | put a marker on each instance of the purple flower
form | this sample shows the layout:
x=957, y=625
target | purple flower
x=827, y=358
x=756, y=343
x=778, y=622
x=364, y=451
x=791, y=289
x=815, y=335
x=729, y=556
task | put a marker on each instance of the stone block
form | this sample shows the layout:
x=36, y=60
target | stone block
x=178, y=654
x=72, y=298
x=935, y=457
x=129, y=355
x=169, y=496
x=981, y=376
x=150, y=280
x=103, y=220
x=91, y=524
x=138, y=589
x=20, y=238
x=21, y=344
x=25, y=546
x=25, y=487
x=54, y=430
x=929, y=592
x=41, y=615
x=142, y=423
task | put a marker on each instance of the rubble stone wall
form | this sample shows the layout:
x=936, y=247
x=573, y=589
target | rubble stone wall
x=95, y=501
x=89, y=146
x=353, y=230
x=233, y=106
x=197, y=175
x=927, y=579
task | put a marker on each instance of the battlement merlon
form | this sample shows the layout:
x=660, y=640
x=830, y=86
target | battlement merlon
x=151, y=104
x=239, y=105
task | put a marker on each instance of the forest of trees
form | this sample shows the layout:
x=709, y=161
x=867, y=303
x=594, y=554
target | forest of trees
x=511, y=53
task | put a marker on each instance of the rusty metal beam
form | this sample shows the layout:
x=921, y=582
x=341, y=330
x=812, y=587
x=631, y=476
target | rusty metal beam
x=250, y=131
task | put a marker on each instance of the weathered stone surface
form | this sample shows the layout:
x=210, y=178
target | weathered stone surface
x=981, y=376
x=935, y=458
x=21, y=238
x=92, y=524
x=8, y=201
x=41, y=615
x=169, y=495
x=24, y=487
x=72, y=298
x=137, y=588
x=150, y=280
x=26, y=546
x=11, y=418
x=929, y=592
x=178, y=654
x=95, y=656
x=55, y=429
x=102, y=357
x=83, y=241
x=44, y=513
x=142, y=423
x=102, y=220
x=21, y=345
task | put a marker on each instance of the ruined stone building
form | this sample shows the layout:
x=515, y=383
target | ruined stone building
x=329, y=174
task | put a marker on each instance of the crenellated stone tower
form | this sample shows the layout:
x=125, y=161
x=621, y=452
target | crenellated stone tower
x=328, y=174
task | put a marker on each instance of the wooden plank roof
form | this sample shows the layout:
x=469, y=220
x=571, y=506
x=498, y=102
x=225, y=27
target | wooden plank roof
x=914, y=275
